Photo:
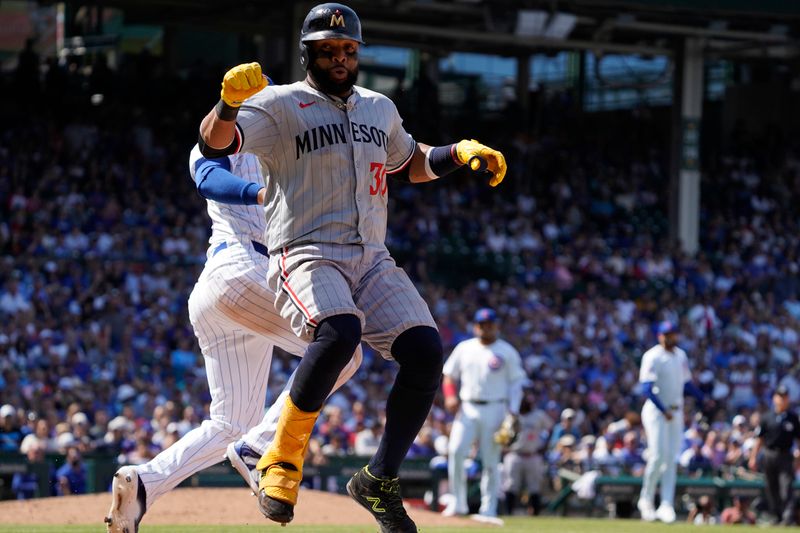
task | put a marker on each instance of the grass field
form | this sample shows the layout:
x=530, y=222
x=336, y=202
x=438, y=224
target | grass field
x=515, y=525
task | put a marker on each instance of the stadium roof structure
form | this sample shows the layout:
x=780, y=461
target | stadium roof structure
x=729, y=28
x=689, y=32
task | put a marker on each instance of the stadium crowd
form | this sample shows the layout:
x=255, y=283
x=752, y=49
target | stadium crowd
x=102, y=237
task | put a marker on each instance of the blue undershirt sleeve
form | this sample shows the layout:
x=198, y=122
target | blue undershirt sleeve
x=691, y=388
x=647, y=390
x=215, y=181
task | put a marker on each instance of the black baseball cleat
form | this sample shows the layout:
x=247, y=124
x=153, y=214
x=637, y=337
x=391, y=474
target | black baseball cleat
x=381, y=497
x=275, y=510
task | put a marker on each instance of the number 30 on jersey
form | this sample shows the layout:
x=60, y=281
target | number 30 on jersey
x=379, y=183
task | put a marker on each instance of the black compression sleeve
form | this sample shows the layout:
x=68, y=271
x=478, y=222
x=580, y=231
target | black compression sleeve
x=225, y=111
x=213, y=153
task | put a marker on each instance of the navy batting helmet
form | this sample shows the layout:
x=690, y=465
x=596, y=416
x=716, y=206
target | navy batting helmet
x=328, y=21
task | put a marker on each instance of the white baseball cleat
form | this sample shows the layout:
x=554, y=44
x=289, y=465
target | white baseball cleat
x=450, y=507
x=665, y=513
x=244, y=460
x=451, y=510
x=486, y=519
x=647, y=510
x=128, y=502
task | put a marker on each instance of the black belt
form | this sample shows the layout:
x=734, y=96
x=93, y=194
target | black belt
x=778, y=451
x=257, y=246
x=525, y=455
x=483, y=402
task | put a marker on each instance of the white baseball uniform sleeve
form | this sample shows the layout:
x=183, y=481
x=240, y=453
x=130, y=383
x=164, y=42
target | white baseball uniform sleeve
x=452, y=367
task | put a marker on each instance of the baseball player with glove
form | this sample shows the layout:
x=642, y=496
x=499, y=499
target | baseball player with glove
x=665, y=378
x=234, y=318
x=524, y=467
x=489, y=372
x=329, y=147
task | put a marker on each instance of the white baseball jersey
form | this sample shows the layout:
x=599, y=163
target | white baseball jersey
x=485, y=372
x=243, y=295
x=241, y=222
x=327, y=160
x=668, y=370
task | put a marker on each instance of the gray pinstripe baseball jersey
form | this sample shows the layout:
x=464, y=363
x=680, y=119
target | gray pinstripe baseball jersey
x=328, y=161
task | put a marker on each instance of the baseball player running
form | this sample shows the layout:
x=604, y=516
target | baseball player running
x=329, y=147
x=490, y=374
x=665, y=378
x=233, y=315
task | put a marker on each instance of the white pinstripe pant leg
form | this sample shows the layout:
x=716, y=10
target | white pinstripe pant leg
x=260, y=437
x=230, y=417
x=663, y=446
x=237, y=367
x=674, y=439
x=491, y=416
x=462, y=435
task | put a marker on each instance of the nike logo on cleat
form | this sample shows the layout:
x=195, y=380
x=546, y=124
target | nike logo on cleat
x=303, y=106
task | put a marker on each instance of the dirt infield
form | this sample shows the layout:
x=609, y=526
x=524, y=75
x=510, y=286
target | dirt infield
x=205, y=506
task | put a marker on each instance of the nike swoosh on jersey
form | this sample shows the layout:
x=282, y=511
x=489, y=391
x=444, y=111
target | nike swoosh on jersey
x=303, y=106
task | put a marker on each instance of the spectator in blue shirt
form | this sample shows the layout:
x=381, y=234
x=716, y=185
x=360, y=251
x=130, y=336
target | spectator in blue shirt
x=630, y=455
x=26, y=485
x=602, y=371
x=10, y=433
x=71, y=478
x=565, y=427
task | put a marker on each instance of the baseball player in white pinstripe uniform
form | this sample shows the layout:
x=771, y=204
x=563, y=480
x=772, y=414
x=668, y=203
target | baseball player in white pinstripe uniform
x=489, y=372
x=233, y=315
x=329, y=147
x=665, y=378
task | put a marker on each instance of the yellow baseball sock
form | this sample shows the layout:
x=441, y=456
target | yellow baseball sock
x=282, y=465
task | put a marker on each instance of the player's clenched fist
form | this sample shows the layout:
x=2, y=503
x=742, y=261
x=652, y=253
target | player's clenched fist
x=241, y=82
x=495, y=162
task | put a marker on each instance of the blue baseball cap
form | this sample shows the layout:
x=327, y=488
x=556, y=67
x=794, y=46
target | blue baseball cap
x=485, y=314
x=782, y=390
x=667, y=327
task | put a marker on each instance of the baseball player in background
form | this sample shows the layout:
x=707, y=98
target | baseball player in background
x=664, y=378
x=483, y=380
x=329, y=147
x=524, y=468
x=233, y=316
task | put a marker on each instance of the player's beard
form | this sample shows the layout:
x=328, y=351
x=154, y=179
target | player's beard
x=326, y=84
x=487, y=337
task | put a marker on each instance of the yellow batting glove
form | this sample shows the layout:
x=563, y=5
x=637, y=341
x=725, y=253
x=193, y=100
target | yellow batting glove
x=241, y=82
x=481, y=157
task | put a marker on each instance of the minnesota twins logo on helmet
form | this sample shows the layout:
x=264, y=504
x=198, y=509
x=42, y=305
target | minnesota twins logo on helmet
x=328, y=21
x=337, y=20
